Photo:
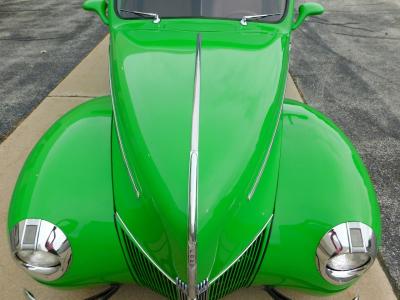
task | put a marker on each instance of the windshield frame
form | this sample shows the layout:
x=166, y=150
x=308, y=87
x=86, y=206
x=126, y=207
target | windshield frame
x=283, y=17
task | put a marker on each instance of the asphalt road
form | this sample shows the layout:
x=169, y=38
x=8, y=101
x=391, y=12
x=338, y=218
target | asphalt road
x=40, y=43
x=347, y=64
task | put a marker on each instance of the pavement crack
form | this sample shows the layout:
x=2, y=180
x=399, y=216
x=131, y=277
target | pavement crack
x=366, y=4
x=345, y=25
x=29, y=39
x=22, y=10
x=369, y=36
x=30, y=10
x=369, y=12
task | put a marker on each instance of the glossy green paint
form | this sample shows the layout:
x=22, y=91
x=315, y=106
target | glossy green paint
x=307, y=10
x=243, y=74
x=313, y=178
x=99, y=7
x=66, y=180
x=238, y=117
x=322, y=183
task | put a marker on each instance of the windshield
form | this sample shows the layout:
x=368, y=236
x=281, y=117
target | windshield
x=226, y=9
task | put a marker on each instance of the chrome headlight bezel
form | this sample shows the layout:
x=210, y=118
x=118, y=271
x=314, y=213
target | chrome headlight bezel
x=36, y=239
x=353, y=239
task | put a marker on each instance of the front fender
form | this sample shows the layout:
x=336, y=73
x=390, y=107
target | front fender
x=67, y=181
x=322, y=183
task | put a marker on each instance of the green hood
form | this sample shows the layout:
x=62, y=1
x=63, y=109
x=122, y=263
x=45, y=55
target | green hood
x=242, y=83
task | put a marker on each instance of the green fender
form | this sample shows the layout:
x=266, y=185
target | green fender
x=322, y=183
x=67, y=181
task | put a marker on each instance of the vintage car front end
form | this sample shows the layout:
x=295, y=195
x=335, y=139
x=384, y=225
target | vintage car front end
x=195, y=177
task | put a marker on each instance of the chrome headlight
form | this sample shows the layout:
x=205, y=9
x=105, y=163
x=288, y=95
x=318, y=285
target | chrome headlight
x=346, y=252
x=41, y=248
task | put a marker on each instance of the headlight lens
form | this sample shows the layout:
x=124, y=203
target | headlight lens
x=41, y=248
x=348, y=261
x=346, y=252
x=38, y=258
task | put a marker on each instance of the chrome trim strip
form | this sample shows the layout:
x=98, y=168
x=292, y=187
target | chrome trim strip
x=156, y=17
x=181, y=288
x=135, y=186
x=260, y=173
x=251, y=194
x=244, y=19
x=201, y=289
x=121, y=222
x=28, y=295
x=193, y=179
x=243, y=252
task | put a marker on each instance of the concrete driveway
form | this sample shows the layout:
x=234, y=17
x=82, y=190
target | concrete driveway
x=347, y=64
x=90, y=79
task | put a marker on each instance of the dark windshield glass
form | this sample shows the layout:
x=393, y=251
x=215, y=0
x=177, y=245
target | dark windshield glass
x=229, y=9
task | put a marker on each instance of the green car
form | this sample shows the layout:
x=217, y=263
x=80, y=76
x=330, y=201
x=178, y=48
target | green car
x=196, y=177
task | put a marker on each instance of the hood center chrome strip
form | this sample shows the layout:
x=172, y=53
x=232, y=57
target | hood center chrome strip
x=193, y=178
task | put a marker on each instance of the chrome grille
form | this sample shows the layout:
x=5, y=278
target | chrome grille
x=242, y=272
x=145, y=272
x=201, y=290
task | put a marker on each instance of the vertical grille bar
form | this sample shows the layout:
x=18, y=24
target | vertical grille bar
x=147, y=274
x=240, y=274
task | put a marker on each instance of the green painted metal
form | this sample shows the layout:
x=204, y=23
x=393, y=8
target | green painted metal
x=243, y=114
x=322, y=183
x=66, y=180
x=258, y=158
x=307, y=10
x=98, y=6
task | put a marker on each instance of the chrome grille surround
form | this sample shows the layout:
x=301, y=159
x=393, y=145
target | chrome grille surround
x=240, y=273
